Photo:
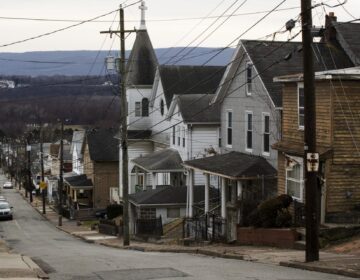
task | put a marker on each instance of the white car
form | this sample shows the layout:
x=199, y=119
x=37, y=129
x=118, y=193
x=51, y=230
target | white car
x=6, y=211
x=8, y=185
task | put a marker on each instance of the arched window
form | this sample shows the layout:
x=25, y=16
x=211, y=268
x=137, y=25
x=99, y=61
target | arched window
x=162, y=105
x=145, y=107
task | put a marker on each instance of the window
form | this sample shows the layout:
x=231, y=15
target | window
x=266, y=134
x=178, y=135
x=147, y=213
x=162, y=107
x=173, y=135
x=145, y=107
x=183, y=137
x=249, y=88
x=249, y=131
x=294, y=177
x=229, y=128
x=219, y=137
x=301, y=106
x=173, y=212
x=137, y=109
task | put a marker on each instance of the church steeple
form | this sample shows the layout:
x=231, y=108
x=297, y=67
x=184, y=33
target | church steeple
x=143, y=8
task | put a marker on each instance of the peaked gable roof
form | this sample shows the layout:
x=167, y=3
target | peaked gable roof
x=277, y=58
x=103, y=146
x=142, y=62
x=186, y=79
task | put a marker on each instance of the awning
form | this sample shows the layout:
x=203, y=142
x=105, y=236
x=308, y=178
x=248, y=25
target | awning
x=79, y=182
x=163, y=161
x=234, y=166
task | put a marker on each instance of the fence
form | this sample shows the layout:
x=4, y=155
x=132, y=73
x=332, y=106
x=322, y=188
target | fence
x=151, y=227
x=208, y=227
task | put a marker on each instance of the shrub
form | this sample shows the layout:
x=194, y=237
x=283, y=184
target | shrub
x=114, y=210
x=272, y=213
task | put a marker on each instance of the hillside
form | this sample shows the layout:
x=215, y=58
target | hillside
x=82, y=63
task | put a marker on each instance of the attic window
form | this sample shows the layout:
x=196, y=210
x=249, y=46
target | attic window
x=137, y=109
x=249, y=86
x=162, y=105
x=145, y=107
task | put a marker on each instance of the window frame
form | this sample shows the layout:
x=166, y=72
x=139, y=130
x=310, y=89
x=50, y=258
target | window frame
x=229, y=127
x=265, y=133
x=247, y=131
x=249, y=78
x=299, y=181
x=145, y=107
x=174, y=135
x=178, y=135
x=162, y=107
x=300, y=86
x=137, y=109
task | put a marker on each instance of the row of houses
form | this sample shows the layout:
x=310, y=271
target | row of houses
x=204, y=139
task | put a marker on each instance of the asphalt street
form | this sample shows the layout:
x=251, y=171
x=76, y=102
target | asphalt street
x=63, y=256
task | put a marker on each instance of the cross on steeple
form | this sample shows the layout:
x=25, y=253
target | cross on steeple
x=143, y=8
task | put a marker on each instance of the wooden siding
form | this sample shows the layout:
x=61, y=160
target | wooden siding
x=338, y=126
x=290, y=123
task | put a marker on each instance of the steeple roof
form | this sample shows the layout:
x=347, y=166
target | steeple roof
x=142, y=63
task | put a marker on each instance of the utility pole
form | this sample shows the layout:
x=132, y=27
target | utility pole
x=42, y=170
x=311, y=188
x=28, y=150
x=123, y=128
x=61, y=180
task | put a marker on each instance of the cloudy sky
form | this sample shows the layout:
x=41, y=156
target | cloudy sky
x=170, y=22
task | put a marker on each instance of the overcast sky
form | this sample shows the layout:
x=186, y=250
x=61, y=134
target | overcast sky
x=169, y=22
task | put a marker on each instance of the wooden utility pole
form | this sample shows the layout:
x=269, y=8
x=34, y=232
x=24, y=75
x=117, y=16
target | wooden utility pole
x=28, y=150
x=42, y=170
x=123, y=128
x=311, y=191
x=61, y=179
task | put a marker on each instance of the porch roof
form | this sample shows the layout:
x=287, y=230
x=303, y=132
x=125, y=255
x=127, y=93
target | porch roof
x=79, y=182
x=167, y=160
x=297, y=149
x=169, y=195
x=234, y=166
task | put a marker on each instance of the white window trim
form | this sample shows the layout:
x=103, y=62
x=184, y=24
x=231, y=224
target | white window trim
x=227, y=127
x=301, y=181
x=246, y=130
x=264, y=114
x=299, y=85
x=249, y=63
x=137, y=109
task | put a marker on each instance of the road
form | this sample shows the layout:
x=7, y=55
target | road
x=64, y=257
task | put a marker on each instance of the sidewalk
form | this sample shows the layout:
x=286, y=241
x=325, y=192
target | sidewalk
x=330, y=262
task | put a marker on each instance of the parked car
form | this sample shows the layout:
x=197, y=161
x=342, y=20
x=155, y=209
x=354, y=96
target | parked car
x=6, y=211
x=8, y=185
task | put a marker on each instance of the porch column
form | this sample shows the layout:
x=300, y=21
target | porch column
x=75, y=195
x=136, y=176
x=154, y=180
x=207, y=186
x=239, y=185
x=223, y=198
x=191, y=193
x=145, y=180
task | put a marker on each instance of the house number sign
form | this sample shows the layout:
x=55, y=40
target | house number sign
x=312, y=162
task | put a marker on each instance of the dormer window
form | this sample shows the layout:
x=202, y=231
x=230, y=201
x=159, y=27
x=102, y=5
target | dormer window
x=249, y=85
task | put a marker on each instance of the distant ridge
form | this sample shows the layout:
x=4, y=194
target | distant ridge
x=79, y=63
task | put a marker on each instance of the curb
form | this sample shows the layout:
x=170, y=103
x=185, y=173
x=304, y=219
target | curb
x=310, y=267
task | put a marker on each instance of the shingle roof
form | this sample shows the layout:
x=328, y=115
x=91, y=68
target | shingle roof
x=234, y=165
x=195, y=108
x=103, y=146
x=142, y=62
x=348, y=36
x=180, y=80
x=169, y=195
x=78, y=181
x=164, y=160
x=266, y=54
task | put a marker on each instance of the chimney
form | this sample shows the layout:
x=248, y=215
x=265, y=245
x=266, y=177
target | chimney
x=330, y=31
